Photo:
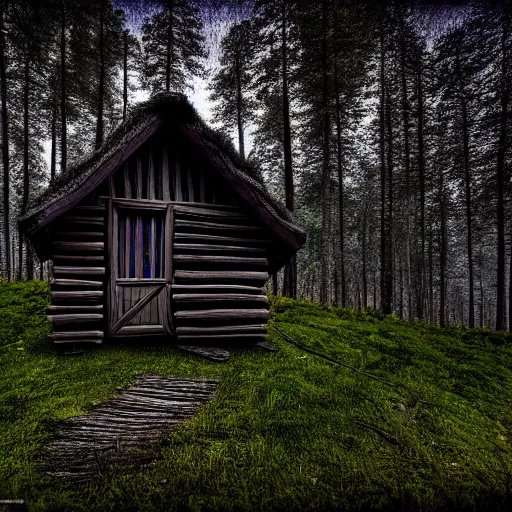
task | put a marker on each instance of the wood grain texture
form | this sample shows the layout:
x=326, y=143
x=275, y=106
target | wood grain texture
x=126, y=429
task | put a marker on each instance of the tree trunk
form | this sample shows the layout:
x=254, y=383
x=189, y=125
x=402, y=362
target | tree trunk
x=239, y=104
x=500, y=214
x=290, y=270
x=364, y=255
x=384, y=300
x=469, y=215
x=389, y=221
x=326, y=188
x=26, y=180
x=125, y=73
x=407, y=163
x=340, y=189
x=443, y=252
x=170, y=35
x=430, y=275
x=101, y=85
x=53, y=157
x=421, y=171
x=63, y=122
x=5, y=148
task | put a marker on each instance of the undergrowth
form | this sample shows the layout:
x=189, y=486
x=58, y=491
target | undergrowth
x=286, y=430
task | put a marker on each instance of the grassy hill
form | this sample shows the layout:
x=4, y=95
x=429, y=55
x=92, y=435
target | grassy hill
x=428, y=425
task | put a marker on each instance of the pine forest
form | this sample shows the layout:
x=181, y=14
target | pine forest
x=384, y=127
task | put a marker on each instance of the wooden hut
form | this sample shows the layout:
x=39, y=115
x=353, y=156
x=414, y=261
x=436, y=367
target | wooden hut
x=163, y=231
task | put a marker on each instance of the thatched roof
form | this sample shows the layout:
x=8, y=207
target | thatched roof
x=163, y=109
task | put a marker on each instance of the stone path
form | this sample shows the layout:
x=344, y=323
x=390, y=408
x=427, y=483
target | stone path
x=126, y=429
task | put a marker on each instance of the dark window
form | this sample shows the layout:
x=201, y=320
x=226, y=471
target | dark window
x=141, y=245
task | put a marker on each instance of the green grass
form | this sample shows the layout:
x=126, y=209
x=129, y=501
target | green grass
x=285, y=430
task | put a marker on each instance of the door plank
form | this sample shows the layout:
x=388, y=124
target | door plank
x=131, y=313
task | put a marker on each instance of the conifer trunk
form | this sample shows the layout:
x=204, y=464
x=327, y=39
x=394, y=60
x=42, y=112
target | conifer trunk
x=101, y=85
x=290, y=269
x=421, y=299
x=326, y=191
x=500, y=182
x=341, y=191
x=63, y=92
x=170, y=6
x=5, y=149
x=125, y=73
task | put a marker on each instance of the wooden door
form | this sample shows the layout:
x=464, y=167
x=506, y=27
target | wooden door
x=140, y=244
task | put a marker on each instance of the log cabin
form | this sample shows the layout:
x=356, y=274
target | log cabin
x=163, y=231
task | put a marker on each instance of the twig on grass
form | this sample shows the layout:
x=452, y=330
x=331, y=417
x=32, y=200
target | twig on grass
x=331, y=360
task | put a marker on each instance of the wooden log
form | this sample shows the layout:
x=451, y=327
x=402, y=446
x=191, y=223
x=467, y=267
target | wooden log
x=57, y=269
x=90, y=209
x=76, y=295
x=78, y=257
x=76, y=335
x=75, y=318
x=134, y=281
x=191, y=204
x=77, y=282
x=190, y=298
x=79, y=246
x=219, y=260
x=209, y=226
x=222, y=314
x=212, y=337
x=78, y=219
x=74, y=308
x=225, y=329
x=133, y=330
x=80, y=234
x=204, y=238
x=204, y=277
x=218, y=288
x=216, y=248
x=89, y=341
x=141, y=204
x=191, y=212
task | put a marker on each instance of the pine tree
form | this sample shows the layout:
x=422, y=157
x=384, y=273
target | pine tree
x=231, y=84
x=173, y=46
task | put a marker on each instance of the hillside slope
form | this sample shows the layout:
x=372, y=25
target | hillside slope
x=285, y=431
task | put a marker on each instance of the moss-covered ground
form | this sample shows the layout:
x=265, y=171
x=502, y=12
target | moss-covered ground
x=286, y=430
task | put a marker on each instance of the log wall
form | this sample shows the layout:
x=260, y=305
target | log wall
x=220, y=268
x=79, y=276
x=219, y=257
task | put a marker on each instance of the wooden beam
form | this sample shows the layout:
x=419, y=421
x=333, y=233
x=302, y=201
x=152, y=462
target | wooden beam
x=79, y=270
x=133, y=330
x=77, y=282
x=190, y=298
x=196, y=237
x=75, y=318
x=218, y=288
x=191, y=276
x=216, y=248
x=76, y=334
x=222, y=314
x=224, y=329
x=217, y=260
x=188, y=224
x=78, y=308
x=79, y=246
x=76, y=295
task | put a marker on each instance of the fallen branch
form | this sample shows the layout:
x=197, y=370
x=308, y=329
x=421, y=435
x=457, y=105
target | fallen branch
x=331, y=360
x=382, y=433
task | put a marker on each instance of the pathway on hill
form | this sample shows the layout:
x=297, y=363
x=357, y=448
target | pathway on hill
x=126, y=429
